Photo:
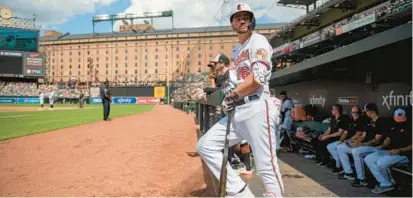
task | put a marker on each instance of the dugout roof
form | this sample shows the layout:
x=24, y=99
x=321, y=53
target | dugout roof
x=296, y=2
x=385, y=54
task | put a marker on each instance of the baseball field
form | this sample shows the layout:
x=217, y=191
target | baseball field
x=144, y=151
x=20, y=120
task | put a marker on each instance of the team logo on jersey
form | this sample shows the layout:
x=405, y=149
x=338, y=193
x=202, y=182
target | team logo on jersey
x=242, y=71
x=261, y=54
x=243, y=56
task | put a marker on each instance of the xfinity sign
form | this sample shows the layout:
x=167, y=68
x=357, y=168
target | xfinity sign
x=124, y=100
x=317, y=100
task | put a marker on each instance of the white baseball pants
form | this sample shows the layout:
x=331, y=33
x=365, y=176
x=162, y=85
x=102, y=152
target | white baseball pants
x=254, y=123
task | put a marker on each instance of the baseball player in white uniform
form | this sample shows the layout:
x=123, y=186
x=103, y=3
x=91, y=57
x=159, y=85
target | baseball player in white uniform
x=277, y=113
x=51, y=99
x=41, y=99
x=248, y=100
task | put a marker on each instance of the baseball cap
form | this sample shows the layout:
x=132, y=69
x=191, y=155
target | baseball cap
x=400, y=115
x=272, y=91
x=221, y=58
x=370, y=107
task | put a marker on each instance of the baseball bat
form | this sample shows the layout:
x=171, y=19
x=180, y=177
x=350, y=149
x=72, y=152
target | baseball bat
x=223, y=176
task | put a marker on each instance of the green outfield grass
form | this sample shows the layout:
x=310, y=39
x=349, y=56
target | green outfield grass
x=16, y=124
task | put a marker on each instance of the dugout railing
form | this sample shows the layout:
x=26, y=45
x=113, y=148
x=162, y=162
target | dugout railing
x=203, y=119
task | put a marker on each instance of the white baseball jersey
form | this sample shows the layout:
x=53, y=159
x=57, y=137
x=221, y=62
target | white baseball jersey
x=41, y=98
x=254, y=57
x=51, y=95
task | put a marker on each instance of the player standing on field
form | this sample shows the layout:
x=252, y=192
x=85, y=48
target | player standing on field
x=253, y=117
x=51, y=99
x=41, y=99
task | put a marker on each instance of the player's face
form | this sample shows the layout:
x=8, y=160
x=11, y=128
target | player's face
x=240, y=22
x=355, y=112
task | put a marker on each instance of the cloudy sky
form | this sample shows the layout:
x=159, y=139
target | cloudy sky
x=75, y=16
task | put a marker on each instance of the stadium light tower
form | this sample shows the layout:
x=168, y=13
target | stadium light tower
x=131, y=17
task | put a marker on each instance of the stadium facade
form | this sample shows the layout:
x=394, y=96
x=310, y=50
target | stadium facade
x=145, y=56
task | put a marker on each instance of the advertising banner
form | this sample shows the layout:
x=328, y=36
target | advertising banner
x=147, y=100
x=310, y=39
x=295, y=45
x=28, y=100
x=96, y=100
x=34, y=64
x=159, y=92
x=124, y=100
x=358, y=23
x=349, y=100
x=8, y=100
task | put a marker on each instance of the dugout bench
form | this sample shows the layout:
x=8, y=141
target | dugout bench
x=402, y=173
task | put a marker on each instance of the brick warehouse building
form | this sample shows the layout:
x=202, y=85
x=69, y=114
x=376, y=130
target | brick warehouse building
x=144, y=56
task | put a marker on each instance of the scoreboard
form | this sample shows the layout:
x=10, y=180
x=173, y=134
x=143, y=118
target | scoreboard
x=13, y=39
x=21, y=64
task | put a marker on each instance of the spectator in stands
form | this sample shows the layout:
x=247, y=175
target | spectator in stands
x=367, y=145
x=396, y=147
x=357, y=126
x=338, y=124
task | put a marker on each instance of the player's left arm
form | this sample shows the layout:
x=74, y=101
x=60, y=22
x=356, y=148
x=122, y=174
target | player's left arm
x=260, y=56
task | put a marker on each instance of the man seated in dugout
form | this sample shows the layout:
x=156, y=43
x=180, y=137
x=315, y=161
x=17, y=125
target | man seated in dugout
x=396, y=149
x=338, y=124
x=371, y=138
x=354, y=133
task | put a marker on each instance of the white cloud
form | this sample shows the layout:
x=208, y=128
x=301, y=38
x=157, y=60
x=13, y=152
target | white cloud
x=50, y=13
x=200, y=13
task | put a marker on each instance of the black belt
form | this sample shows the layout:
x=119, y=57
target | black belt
x=250, y=98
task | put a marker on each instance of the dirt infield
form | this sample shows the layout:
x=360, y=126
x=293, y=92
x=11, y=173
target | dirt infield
x=19, y=108
x=151, y=154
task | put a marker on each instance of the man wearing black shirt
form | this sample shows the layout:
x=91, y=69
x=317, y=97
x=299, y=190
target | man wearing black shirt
x=395, y=149
x=372, y=138
x=332, y=134
x=106, y=99
x=353, y=134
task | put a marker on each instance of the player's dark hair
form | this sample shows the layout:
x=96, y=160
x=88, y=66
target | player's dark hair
x=283, y=93
x=339, y=108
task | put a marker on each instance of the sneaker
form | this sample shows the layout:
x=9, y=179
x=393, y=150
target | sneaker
x=245, y=193
x=309, y=156
x=302, y=151
x=323, y=164
x=382, y=189
x=346, y=176
x=338, y=170
x=319, y=162
x=359, y=183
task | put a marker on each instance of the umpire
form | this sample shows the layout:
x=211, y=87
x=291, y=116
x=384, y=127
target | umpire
x=106, y=99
